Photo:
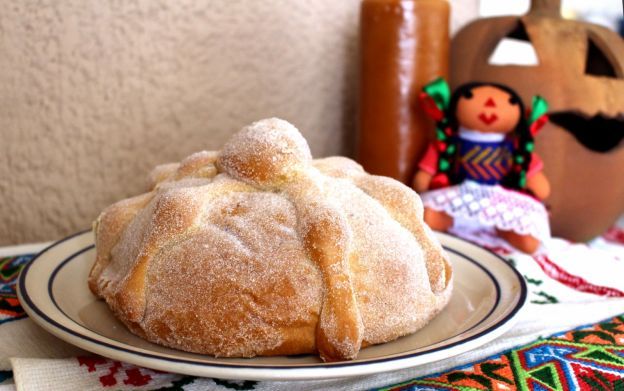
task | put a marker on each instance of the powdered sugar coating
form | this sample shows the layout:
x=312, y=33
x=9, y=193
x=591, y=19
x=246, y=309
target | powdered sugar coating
x=237, y=243
x=259, y=250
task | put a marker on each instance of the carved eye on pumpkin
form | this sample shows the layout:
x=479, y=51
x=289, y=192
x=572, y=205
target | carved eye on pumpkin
x=515, y=48
x=599, y=133
x=597, y=62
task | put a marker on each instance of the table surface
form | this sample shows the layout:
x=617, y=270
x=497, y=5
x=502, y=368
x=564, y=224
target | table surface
x=571, y=285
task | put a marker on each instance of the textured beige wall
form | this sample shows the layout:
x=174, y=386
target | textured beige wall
x=95, y=93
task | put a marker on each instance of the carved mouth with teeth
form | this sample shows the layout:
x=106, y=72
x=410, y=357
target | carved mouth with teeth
x=598, y=133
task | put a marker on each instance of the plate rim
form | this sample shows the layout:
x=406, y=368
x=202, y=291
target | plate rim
x=251, y=372
x=90, y=247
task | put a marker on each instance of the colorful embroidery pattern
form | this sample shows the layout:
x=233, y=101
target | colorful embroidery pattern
x=10, y=308
x=551, y=269
x=487, y=163
x=116, y=375
x=557, y=273
x=590, y=358
x=132, y=375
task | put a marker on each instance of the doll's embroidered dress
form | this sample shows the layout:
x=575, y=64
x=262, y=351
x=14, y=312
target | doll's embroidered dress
x=483, y=160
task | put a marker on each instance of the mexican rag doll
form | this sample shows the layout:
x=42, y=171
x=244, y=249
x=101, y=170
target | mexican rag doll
x=482, y=167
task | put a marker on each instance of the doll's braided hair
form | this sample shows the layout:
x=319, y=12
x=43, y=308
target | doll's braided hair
x=448, y=140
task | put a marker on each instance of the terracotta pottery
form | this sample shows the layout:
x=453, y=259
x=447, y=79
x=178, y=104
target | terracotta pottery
x=580, y=72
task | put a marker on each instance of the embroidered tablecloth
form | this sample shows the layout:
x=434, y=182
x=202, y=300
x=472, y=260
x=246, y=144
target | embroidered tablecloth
x=570, y=336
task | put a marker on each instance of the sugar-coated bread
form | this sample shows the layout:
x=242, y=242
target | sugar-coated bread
x=260, y=250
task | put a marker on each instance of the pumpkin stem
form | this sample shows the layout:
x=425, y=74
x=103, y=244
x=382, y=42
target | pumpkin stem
x=550, y=7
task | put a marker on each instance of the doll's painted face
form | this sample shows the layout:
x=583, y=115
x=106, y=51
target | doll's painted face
x=488, y=109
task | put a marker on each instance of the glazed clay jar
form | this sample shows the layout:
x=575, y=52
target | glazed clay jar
x=580, y=72
x=404, y=45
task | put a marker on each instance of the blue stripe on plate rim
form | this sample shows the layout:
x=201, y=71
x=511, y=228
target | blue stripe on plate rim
x=60, y=266
x=31, y=305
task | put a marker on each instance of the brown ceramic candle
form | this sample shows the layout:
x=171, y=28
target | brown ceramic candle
x=404, y=45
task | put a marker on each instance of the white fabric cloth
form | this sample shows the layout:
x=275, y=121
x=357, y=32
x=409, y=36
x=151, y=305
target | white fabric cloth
x=557, y=302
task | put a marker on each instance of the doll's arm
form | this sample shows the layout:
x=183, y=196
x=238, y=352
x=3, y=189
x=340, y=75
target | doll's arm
x=539, y=185
x=421, y=181
x=537, y=182
x=426, y=169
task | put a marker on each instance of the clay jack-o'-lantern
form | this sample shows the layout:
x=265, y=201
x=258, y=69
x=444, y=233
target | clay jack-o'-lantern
x=580, y=72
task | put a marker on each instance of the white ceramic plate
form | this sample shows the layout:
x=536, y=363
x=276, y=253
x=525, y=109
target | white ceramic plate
x=487, y=296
